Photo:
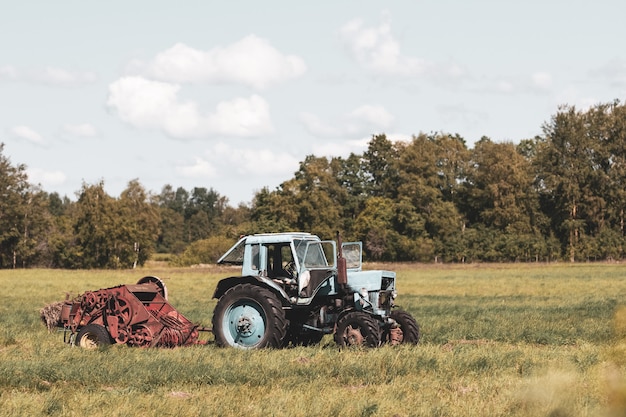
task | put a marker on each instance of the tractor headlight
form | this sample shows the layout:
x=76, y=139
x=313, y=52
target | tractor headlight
x=363, y=293
x=394, y=294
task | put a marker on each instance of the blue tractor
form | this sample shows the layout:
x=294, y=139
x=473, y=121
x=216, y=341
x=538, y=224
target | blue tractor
x=294, y=288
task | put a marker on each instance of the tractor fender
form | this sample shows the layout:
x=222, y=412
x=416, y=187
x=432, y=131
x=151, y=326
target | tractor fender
x=351, y=309
x=227, y=283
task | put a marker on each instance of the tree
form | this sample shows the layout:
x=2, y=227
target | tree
x=581, y=173
x=379, y=161
x=430, y=169
x=14, y=194
x=94, y=228
x=113, y=233
x=139, y=225
x=312, y=201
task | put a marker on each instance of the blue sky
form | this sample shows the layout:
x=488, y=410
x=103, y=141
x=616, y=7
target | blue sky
x=233, y=95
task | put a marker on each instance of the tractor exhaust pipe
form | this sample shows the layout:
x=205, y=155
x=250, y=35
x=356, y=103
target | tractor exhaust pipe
x=342, y=268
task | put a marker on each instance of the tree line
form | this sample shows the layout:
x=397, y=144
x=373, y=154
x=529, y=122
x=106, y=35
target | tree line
x=558, y=196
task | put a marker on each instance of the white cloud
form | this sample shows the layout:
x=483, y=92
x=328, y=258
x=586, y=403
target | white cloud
x=376, y=49
x=8, y=72
x=538, y=83
x=49, y=75
x=573, y=97
x=252, y=61
x=374, y=115
x=541, y=80
x=362, y=121
x=46, y=178
x=356, y=146
x=156, y=105
x=62, y=77
x=27, y=133
x=254, y=161
x=83, y=130
x=200, y=168
x=336, y=148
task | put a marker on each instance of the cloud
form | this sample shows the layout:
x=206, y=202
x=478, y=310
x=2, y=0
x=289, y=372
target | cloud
x=27, y=133
x=151, y=104
x=199, y=169
x=376, y=49
x=242, y=161
x=46, y=178
x=573, y=97
x=8, y=72
x=49, y=75
x=62, y=77
x=254, y=161
x=252, y=61
x=344, y=148
x=356, y=146
x=541, y=80
x=83, y=130
x=362, y=121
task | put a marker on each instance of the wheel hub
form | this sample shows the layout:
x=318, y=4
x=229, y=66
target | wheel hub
x=246, y=326
x=354, y=336
x=245, y=323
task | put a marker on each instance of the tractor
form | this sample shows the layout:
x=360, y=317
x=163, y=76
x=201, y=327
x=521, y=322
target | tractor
x=294, y=288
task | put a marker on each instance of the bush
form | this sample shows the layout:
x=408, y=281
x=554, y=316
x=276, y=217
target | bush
x=205, y=251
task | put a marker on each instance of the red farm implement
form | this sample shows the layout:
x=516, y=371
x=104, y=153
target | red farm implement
x=134, y=315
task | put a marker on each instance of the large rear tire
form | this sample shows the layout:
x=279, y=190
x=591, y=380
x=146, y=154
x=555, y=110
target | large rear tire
x=93, y=336
x=357, y=329
x=249, y=317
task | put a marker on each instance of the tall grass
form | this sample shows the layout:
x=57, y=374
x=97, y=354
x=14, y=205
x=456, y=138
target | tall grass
x=498, y=340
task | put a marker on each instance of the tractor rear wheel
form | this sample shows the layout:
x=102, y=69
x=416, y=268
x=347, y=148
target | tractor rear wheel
x=248, y=316
x=93, y=336
x=357, y=329
x=408, y=325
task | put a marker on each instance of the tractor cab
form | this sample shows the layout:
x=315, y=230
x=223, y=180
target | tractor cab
x=300, y=263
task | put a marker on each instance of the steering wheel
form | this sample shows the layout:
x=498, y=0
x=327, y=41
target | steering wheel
x=290, y=268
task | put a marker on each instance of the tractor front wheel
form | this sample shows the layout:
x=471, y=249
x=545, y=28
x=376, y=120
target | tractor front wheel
x=93, y=336
x=357, y=329
x=248, y=316
x=408, y=325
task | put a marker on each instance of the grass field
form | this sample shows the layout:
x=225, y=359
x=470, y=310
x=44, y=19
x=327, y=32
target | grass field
x=498, y=340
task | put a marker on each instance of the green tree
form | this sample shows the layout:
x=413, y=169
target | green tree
x=393, y=231
x=312, y=201
x=138, y=225
x=429, y=171
x=379, y=162
x=581, y=171
x=113, y=233
x=14, y=211
x=94, y=229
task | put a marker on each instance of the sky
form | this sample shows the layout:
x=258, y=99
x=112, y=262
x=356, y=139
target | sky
x=234, y=95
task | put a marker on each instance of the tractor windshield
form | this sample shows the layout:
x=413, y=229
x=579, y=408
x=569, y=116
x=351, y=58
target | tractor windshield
x=314, y=255
x=235, y=254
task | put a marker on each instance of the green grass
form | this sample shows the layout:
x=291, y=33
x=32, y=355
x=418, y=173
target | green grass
x=498, y=340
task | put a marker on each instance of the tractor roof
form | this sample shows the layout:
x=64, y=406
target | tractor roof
x=235, y=254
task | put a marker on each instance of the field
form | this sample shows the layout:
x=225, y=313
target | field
x=498, y=340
